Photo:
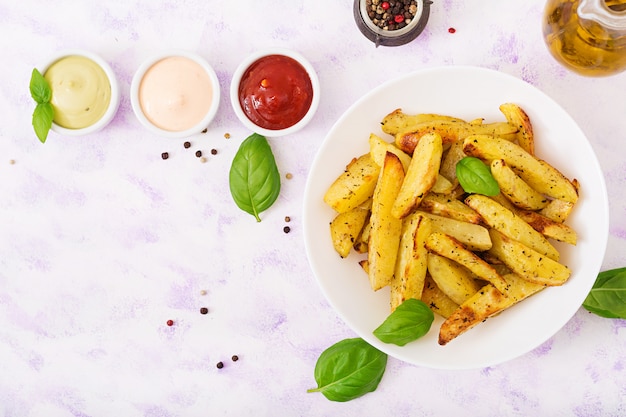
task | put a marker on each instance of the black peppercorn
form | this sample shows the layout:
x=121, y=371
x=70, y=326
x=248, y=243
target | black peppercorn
x=198, y=154
x=286, y=229
x=187, y=145
x=165, y=155
x=204, y=310
x=220, y=365
x=235, y=358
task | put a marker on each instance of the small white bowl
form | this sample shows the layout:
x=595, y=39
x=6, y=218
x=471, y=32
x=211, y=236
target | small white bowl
x=241, y=70
x=115, y=92
x=139, y=112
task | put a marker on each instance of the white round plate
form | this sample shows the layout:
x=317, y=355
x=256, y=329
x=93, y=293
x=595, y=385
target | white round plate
x=468, y=93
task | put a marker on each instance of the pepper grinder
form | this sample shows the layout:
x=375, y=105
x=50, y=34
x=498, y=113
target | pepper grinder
x=377, y=20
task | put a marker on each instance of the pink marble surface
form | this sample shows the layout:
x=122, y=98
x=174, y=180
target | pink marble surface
x=102, y=241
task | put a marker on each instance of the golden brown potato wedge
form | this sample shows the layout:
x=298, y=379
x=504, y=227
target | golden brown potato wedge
x=517, y=117
x=362, y=241
x=398, y=120
x=539, y=175
x=447, y=246
x=453, y=279
x=354, y=186
x=451, y=158
x=548, y=227
x=421, y=175
x=436, y=299
x=346, y=227
x=473, y=236
x=379, y=148
x=487, y=302
x=451, y=131
x=511, y=225
x=410, y=272
x=515, y=189
x=386, y=229
x=526, y=262
x=557, y=210
x=445, y=206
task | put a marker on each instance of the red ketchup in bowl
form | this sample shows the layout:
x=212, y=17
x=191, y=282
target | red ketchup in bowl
x=275, y=92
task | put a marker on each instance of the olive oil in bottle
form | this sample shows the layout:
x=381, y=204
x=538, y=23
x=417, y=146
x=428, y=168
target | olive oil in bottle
x=587, y=36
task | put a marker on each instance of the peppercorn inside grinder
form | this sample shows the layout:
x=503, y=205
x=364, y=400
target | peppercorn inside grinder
x=391, y=23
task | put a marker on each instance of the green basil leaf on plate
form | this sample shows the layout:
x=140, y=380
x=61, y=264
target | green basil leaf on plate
x=607, y=297
x=349, y=369
x=475, y=177
x=254, y=178
x=408, y=322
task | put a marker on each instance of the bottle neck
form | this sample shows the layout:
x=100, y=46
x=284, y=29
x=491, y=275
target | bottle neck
x=609, y=14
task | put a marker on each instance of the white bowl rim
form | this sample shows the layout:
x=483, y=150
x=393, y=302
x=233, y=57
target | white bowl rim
x=243, y=67
x=147, y=64
x=115, y=91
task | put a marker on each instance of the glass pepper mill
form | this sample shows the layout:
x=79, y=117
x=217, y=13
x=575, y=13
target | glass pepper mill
x=587, y=36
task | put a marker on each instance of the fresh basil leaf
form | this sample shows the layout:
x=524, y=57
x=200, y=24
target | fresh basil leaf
x=254, y=177
x=349, y=369
x=607, y=298
x=408, y=322
x=42, y=120
x=39, y=88
x=475, y=177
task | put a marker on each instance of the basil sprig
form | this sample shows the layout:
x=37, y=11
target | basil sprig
x=408, y=322
x=349, y=369
x=607, y=298
x=475, y=177
x=254, y=177
x=43, y=115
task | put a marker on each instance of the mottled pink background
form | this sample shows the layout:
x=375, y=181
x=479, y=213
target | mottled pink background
x=101, y=241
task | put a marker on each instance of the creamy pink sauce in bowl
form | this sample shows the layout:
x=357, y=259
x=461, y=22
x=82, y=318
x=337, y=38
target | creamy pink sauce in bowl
x=175, y=94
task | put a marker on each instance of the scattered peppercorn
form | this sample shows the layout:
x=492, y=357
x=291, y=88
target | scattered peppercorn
x=203, y=159
x=165, y=155
x=289, y=175
x=235, y=358
x=198, y=154
x=204, y=310
x=12, y=161
x=392, y=14
x=213, y=151
x=170, y=322
x=203, y=292
x=227, y=135
x=451, y=30
x=286, y=229
x=187, y=145
x=205, y=130
x=287, y=219
x=220, y=365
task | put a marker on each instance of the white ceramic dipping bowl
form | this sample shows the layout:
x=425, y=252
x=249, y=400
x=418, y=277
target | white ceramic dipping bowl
x=141, y=113
x=114, y=101
x=241, y=71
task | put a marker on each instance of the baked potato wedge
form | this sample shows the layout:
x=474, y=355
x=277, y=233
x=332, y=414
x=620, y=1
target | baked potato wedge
x=412, y=261
x=516, y=116
x=436, y=299
x=453, y=279
x=386, y=229
x=526, y=262
x=346, y=227
x=421, y=175
x=354, y=186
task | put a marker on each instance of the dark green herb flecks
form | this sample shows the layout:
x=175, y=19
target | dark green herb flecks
x=254, y=177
